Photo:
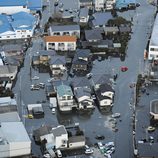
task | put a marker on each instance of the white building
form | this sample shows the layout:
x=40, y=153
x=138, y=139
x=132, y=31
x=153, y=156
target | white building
x=60, y=30
x=99, y=5
x=84, y=17
x=65, y=98
x=153, y=45
x=17, y=26
x=61, y=43
x=13, y=6
x=110, y=4
x=14, y=140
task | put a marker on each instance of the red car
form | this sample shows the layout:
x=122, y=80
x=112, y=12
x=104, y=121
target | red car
x=124, y=68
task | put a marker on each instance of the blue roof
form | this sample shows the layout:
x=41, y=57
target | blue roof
x=13, y=2
x=64, y=90
x=35, y=5
x=4, y=24
x=23, y=20
x=123, y=3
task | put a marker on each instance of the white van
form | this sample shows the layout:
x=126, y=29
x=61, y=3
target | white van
x=59, y=154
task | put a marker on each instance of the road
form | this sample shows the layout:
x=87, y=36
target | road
x=95, y=123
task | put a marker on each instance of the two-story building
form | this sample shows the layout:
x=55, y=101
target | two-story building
x=61, y=43
x=61, y=30
x=84, y=16
x=99, y=5
x=65, y=98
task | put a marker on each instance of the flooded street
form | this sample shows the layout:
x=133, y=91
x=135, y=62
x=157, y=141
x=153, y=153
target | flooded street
x=96, y=122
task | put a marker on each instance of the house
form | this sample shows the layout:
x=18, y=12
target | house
x=153, y=44
x=82, y=60
x=76, y=142
x=8, y=71
x=57, y=65
x=15, y=141
x=154, y=109
x=65, y=98
x=13, y=6
x=61, y=30
x=93, y=35
x=104, y=94
x=80, y=82
x=99, y=5
x=83, y=16
x=84, y=99
x=101, y=19
x=124, y=29
x=20, y=25
x=76, y=138
x=125, y=4
x=61, y=43
x=60, y=137
x=109, y=5
x=86, y=3
x=111, y=30
x=42, y=131
x=50, y=90
x=34, y=6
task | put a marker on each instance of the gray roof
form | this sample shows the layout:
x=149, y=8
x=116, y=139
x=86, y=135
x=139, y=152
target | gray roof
x=125, y=29
x=93, y=35
x=101, y=79
x=43, y=130
x=74, y=139
x=57, y=60
x=111, y=29
x=46, y=52
x=58, y=131
x=69, y=4
x=57, y=28
x=14, y=132
x=101, y=18
x=154, y=37
x=63, y=90
x=105, y=87
x=84, y=53
x=12, y=47
x=7, y=108
x=10, y=117
x=4, y=69
x=80, y=82
x=83, y=12
x=5, y=101
x=84, y=1
x=80, y=92
x=100, y=96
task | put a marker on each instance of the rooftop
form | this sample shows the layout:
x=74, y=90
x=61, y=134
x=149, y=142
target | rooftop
x=154, y=37
x=93, y=35
x=154, y=106
x=56, y=28
x=13, y=3
x=35, y=4
x=4, y=69
x=14, y=132
x=64, y=90
x=77, y=139
x=57, y=60
x=60, y=38
x=84, y=12
x=58, y=131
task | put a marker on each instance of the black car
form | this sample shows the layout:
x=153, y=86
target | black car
x=100, y=137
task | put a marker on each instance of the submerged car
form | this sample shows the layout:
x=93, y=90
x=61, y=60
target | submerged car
x=151, y=129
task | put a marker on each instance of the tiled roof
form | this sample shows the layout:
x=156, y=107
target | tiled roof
x=60, y=38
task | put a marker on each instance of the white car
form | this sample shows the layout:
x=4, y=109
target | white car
x=100, y=145
x=107, y=155
x=35, y=78
x=116, y=115
x=46, y=156
x=89, y=75
x=89, y=151
x=53, y=110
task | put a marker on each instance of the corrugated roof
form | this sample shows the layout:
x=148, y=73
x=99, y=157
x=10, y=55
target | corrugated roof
x=60, y=38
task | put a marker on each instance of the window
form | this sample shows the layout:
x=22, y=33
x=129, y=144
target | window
x=153, y=49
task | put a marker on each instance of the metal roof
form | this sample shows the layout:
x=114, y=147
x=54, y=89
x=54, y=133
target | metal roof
x=35, y=5
x=93, y=35
x=14, y=132
x=57, y=60
x=59, y=130
x=64, y=90
x=10, y=117
x=154, y=35
x=12, y=3
x=57, y=28
x=84, y=12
